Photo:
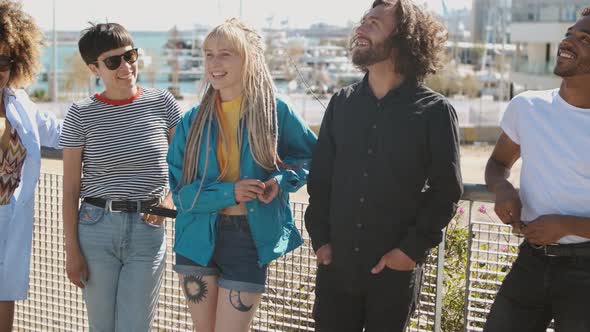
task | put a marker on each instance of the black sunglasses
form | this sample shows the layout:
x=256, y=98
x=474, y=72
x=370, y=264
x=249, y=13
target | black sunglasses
x=113, y=62
x=5, y=62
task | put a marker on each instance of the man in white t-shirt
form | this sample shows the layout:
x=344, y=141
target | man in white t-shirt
x=550, y=131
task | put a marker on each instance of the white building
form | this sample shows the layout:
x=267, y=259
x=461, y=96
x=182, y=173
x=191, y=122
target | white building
x=537, y=28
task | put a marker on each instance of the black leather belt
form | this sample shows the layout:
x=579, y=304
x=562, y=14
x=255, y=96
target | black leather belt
x=562, y=250
x=149, y=206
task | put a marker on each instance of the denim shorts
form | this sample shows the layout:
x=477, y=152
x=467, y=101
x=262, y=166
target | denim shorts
x=235, y=259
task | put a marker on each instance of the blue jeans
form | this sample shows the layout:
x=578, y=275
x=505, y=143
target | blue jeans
x=126, y=259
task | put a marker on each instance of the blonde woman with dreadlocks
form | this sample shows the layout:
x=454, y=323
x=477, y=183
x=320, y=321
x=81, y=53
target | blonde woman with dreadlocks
x=231, y=183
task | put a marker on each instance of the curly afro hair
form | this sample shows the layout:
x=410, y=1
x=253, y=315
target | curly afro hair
x=22, y=38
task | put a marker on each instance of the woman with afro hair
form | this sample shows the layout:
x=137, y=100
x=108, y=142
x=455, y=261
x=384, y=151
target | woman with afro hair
x=23, y=129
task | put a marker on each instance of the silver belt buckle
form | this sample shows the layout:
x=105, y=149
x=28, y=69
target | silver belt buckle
x=547, y=253
x=109, y=206
x=543, y=248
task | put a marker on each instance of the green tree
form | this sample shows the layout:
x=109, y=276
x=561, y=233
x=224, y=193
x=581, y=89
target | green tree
x=470, y=86
x=78, y=77
x=39, y=95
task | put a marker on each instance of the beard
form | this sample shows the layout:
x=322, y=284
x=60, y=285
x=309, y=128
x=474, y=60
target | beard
x=564, y=71
x=372, y=55
x=572, y=69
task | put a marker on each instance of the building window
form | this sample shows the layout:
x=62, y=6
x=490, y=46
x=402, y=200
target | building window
x=531, y=17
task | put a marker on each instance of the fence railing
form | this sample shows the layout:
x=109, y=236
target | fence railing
x=54, y=304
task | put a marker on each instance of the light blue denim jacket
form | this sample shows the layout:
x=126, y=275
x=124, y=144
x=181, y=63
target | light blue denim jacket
x=271, y=224
x=35, y=129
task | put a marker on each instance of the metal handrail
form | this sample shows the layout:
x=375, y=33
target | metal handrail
x=477, y=193
x=55, y=304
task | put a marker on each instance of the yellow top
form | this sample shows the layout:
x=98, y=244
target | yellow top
x=231, y=156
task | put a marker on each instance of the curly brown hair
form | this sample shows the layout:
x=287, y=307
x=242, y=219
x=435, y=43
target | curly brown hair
x=20, y=35
x=419, y=39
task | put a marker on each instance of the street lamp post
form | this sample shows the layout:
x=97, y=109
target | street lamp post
x=53, y=79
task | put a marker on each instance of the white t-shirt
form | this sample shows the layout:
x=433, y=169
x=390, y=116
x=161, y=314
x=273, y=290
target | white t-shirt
x=554, y=139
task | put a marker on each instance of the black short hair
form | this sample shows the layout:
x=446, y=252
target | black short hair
x=100, y=38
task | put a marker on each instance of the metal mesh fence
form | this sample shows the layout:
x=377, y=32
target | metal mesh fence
x=492, y=250
x=54, y=304
x=423, y=319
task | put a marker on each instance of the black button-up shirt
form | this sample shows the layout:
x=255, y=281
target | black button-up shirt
x=385, y=175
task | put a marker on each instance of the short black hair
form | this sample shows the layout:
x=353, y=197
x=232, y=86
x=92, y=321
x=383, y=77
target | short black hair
x=100, y=38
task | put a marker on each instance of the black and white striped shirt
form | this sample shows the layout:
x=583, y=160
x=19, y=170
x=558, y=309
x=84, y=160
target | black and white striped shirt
x=124, y=143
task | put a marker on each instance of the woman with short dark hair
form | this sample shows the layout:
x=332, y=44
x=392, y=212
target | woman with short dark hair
x=115, y=146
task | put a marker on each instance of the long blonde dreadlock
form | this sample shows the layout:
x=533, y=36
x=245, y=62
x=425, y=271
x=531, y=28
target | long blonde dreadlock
x=259, y=115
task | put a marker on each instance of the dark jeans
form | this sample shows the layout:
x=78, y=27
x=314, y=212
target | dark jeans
x=540, y=288
x=385, y=305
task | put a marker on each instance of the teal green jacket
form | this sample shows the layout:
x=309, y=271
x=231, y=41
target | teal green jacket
x=272, y=225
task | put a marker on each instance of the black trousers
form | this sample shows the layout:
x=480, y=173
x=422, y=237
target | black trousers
x=541, y=288
x=384, y=304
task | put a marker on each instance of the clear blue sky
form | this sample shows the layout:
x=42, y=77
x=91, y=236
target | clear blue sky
x=163, y=14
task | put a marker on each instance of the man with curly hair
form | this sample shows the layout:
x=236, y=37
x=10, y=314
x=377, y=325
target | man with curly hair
x=550, y=131
x=385, y=177
x=22, y=132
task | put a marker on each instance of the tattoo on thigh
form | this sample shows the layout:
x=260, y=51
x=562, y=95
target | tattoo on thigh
x=235, y=299
x=195, y=288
